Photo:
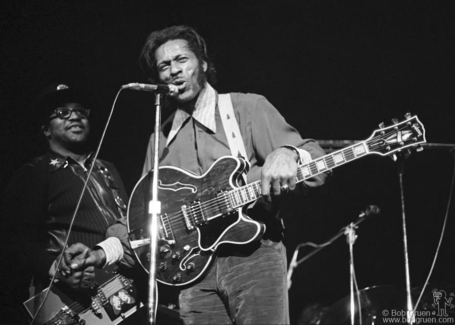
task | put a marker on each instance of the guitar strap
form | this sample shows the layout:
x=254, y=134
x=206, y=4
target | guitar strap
x=231, y=127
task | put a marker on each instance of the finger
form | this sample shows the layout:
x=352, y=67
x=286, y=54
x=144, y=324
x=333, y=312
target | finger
x=91, y=261
x=276, y=187
x=90, y=269
x=63, y=268
x=292, y=183
x=80, y=261
x=284, y=189
x=75, y=250
x=265, y=190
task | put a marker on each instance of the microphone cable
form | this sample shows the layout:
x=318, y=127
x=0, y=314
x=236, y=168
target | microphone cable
x=440, y=238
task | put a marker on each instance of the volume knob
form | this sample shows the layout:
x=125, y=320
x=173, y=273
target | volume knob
x=191, y=267
x=163, y=266
x=177, y=277
x=176, y=255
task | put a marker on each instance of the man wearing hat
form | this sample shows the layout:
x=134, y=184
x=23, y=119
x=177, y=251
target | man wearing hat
x=42, y=197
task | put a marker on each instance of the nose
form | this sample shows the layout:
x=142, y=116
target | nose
x=175, y=68
x=74, y=116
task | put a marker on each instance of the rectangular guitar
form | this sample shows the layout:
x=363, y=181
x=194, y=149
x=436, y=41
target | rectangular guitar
x=200, y=213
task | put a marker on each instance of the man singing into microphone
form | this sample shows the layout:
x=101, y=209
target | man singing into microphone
x=247, y=283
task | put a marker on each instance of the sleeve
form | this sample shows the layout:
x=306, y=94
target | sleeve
x=126, y=256
x=270, y=131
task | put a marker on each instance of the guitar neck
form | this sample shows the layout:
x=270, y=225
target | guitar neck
x=252, y=192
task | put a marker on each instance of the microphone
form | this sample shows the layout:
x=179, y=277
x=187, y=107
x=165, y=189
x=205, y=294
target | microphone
x=371, y=211
x=171, y=90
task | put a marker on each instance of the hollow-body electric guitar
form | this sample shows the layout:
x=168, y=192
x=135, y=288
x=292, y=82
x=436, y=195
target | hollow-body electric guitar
x=107, y=303
x=200, y=213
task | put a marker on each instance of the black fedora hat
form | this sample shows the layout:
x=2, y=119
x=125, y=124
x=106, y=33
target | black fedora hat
x=56, y=94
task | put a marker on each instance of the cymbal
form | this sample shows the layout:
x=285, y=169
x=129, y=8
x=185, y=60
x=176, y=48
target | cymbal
x=374, y=301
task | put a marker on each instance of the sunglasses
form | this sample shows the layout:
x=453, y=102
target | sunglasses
x=65, y=113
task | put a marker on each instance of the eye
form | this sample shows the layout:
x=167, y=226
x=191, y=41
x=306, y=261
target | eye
x=163, y=67
x=182, y=59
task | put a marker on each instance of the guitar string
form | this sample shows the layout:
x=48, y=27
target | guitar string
x=174, y=221
x=213, y=204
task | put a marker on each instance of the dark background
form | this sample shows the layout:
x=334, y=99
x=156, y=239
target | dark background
x=334, y=69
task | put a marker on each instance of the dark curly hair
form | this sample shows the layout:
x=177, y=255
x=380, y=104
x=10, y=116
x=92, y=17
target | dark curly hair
x=195, y=43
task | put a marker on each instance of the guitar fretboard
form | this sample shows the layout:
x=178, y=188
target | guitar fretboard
x=252, y=192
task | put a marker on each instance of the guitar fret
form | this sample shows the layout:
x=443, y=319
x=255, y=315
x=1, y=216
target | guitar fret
x=313, y=168
x=238, y=197
x=305, y=171
x=348, y=154
x=251, y=191
x=247, y=193
x=330, y=162
x=244, y=196
x=234, y=198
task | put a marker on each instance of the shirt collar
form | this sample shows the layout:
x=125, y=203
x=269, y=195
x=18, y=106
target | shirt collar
x=57, y=161
x=204, y=113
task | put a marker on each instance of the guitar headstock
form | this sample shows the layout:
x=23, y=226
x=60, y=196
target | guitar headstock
x=400, y=135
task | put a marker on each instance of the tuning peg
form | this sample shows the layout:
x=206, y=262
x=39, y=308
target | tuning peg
x=381, y=125
x=419, y=148
x=395, y=121
x=407, y=115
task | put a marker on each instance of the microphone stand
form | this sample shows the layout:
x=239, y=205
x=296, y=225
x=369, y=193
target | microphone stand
x=410, y=315
x=154, y=212
x=369, y=212
x=350, y=238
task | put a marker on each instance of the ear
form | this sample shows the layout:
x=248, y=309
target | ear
x=204, y=66
x=46, y=131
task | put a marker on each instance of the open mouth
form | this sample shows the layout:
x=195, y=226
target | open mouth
x=180, y=84
x=76, y=127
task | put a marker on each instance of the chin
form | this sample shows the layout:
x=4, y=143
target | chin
x=185, y=97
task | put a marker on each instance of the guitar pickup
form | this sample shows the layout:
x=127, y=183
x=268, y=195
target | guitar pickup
x=187, y=217
x=193, y=215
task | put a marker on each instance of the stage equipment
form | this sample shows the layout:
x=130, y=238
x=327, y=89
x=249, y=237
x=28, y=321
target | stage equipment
x=377, y=303
x=154, y=205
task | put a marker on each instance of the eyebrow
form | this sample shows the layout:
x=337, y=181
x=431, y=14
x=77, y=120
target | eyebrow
x=179, y=55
